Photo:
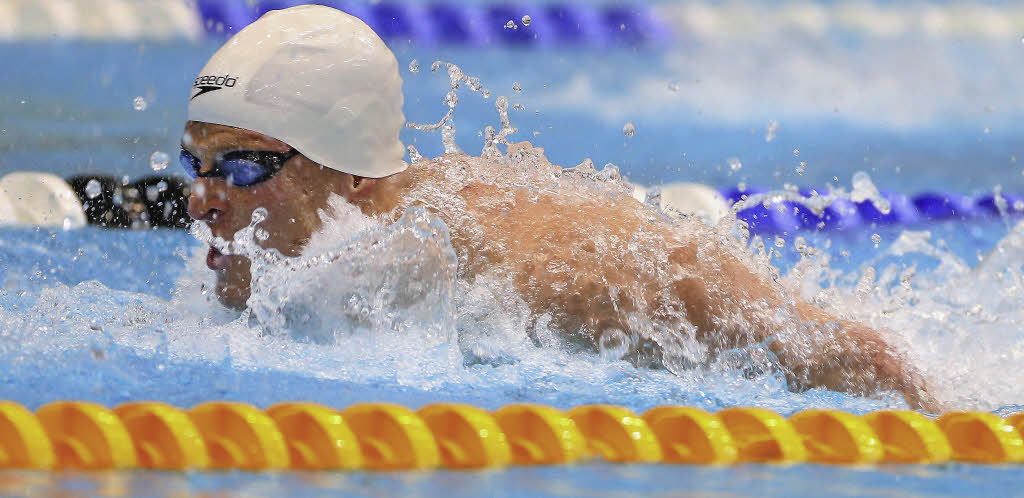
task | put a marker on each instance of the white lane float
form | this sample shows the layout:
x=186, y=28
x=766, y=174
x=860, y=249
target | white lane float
x=694, y=199
x=39, y=199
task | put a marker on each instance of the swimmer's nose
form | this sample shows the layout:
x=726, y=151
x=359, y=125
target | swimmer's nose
x=205, y=207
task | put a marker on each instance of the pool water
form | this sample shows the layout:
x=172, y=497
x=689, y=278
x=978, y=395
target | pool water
x=114, y=316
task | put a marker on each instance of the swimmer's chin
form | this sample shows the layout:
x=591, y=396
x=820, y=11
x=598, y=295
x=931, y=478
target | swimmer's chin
x=232, y=295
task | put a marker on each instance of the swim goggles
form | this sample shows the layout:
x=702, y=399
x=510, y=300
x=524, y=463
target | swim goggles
x=241, y=168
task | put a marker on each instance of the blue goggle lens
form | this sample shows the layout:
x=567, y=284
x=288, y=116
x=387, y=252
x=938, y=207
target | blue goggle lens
x=189, y=163
x=239, y=168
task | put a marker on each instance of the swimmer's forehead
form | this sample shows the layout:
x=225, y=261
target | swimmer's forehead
x=208, y=138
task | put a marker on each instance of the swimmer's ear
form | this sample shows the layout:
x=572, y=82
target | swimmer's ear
x=362, y=186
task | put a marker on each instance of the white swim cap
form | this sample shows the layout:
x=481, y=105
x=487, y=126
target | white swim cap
x=315, y=78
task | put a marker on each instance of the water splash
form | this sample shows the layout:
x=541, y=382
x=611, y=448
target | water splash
x=456, y=79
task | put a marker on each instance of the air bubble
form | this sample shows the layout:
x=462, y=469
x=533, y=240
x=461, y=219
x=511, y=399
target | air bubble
x=139, y=104
x=158, y=161
x=780, y=242
x=673, y=87
x=628, y=129
x=511, y=25
x=414, y=66
x=93, y=189
x=526, y=20
x=801, y=168
x=516, y=87
x=796, y=152
x=876, y=238
x=734, y=163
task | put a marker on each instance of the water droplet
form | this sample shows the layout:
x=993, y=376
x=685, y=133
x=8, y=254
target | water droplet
x=734, y=163
x=158, y=161
x=140, y=104
x=628, y=129
x=259, y=215
x=511, y=25
x=515, y=87
x=770, y=129
x=93, y=188
x=527, y=20
x=414, y=66
x=876, y=238
x=653, y=199
x=414, y=154
x=801, y=168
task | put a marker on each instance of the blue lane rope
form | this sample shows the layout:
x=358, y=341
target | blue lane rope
x=846, y=215
x=475, y=25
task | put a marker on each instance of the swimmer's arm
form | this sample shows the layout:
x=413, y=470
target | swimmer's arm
x=838, y=355
x=849, y=356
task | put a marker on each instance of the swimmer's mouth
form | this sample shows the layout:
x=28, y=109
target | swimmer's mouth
x=215, y=260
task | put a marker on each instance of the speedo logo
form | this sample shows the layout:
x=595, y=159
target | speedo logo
x=207, y=84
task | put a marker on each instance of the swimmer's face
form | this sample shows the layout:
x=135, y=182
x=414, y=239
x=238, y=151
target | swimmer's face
x=291, y=197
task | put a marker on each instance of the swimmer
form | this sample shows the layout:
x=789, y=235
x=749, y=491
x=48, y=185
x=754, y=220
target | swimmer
x=306, y=103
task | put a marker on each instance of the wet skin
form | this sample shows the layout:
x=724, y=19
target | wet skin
x=832, y=353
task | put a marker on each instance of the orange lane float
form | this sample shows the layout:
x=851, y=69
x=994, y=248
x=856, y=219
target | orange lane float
x=540, y=435
x=23, y=441
x=832, y=436
x=86, y=436
x=392, y=437
x=317, y=437
x=466, y=436
x=240, y=436
x=981, y=438
x=383, y=436
x=763, y=436
x=909, y=437
x=691, y=435
x=164, y=436
x=616, y=433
